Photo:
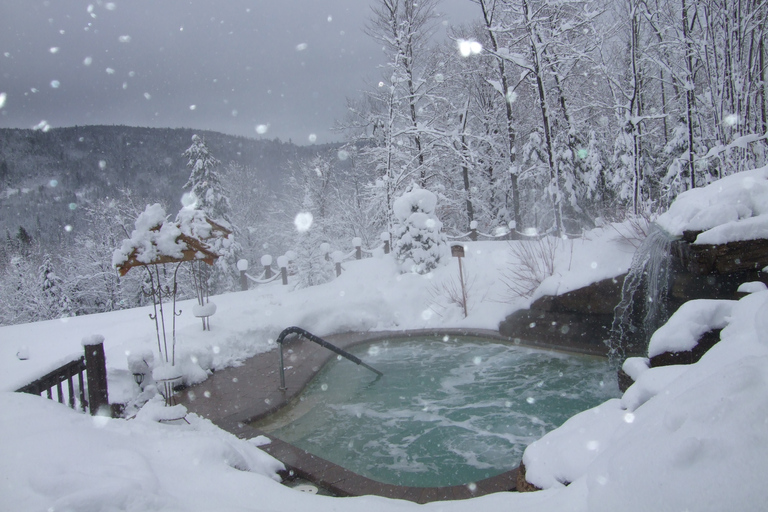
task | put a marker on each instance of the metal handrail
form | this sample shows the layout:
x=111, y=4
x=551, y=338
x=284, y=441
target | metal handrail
x=311, y=337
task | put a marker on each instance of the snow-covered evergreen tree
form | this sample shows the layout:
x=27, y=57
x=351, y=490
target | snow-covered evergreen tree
x=312, y=267
x=207, y=194
x=53, y=301
x=420, y=245
x=15, y=288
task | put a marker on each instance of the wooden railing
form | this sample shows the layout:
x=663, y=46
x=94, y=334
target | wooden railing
x=89, y=369
x=56, y=378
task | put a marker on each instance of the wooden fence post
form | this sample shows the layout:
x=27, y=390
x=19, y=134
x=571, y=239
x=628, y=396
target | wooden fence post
x=325, y=249
x=282, y=262
x=266, y=261
x=386, y=239
x=242, y=266
x=337, y=257
x=96, y=370
x=358, y=243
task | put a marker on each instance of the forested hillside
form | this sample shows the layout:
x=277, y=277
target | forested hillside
x=46, y=176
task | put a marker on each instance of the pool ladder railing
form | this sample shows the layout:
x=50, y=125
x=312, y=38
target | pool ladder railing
x=311, y=337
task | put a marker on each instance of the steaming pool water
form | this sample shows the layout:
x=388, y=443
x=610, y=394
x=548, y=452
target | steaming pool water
x=448, y=410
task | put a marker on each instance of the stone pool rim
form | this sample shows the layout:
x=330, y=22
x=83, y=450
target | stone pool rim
x=241, y=387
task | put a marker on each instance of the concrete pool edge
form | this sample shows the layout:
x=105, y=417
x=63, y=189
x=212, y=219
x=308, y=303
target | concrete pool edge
x=344, y=483
x=234, y=397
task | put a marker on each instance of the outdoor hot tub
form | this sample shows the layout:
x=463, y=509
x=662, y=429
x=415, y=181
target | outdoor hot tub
x=449, y=410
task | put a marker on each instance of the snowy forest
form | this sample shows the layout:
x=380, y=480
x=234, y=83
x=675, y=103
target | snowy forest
x=543, y=119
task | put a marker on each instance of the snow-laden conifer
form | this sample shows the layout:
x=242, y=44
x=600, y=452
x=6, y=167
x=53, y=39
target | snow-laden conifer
x=420, y=245
x=207, y=194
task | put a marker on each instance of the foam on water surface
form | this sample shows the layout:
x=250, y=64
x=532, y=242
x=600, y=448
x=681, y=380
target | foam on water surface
x=444, y=413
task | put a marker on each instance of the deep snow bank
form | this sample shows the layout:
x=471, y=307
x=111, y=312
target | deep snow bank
x=57, y=459
x=682, y=437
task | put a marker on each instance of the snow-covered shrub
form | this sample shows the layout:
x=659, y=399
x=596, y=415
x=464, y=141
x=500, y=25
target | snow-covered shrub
x=420, y=245
x=532, y=262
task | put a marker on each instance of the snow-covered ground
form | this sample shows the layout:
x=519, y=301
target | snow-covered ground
x=691, y=438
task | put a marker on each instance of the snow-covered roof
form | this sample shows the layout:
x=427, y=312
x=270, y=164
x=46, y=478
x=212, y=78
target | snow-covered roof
x=734, y=208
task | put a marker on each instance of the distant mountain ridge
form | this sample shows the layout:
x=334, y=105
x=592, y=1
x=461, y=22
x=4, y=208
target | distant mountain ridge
x=44, y=176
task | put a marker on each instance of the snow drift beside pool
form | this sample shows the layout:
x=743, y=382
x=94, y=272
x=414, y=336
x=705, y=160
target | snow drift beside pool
x=57, y=459
x=686, y=437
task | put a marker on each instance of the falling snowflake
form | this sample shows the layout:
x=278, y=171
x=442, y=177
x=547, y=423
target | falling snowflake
x=303, y=222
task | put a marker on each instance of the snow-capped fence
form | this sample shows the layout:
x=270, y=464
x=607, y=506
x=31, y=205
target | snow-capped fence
x=338, y=257
x=90, y=368
x=474, y=234
x=386, y=245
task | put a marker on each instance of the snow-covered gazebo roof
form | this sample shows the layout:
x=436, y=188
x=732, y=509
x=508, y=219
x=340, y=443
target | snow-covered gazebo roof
x=154, y=240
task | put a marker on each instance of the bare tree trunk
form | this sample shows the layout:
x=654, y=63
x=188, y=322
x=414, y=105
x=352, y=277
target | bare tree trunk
x=764, y=75
x=690, y=97
x=511, y=133
x=464, y=167
x=554, y=188
x=635, y=112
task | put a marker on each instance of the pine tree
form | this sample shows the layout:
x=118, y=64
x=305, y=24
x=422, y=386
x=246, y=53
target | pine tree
x=15, y=288
x=312, y=265
x=23, y=240
x=53, y=299
x=420, y=244
x=208, y=195
x=204, y=184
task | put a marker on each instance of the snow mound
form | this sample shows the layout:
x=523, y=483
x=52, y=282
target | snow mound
x=91, y=340
x=752, y=287
x=635, y=367
x=734, y=208
x=155, y=410
x=64, y=460
x=686, y=437
x=602, y=253
x=692, y=320
x=193, y=223
x=415, y=200
x=207, y=309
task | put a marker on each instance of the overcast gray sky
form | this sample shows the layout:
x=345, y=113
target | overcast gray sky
x=228, y=66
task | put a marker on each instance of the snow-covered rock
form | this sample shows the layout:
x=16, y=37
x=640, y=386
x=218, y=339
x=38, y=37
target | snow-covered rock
x=688, y=324
x=734, y=208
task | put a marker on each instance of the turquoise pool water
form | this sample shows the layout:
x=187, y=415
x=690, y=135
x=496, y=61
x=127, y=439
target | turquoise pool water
x=447, y=411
